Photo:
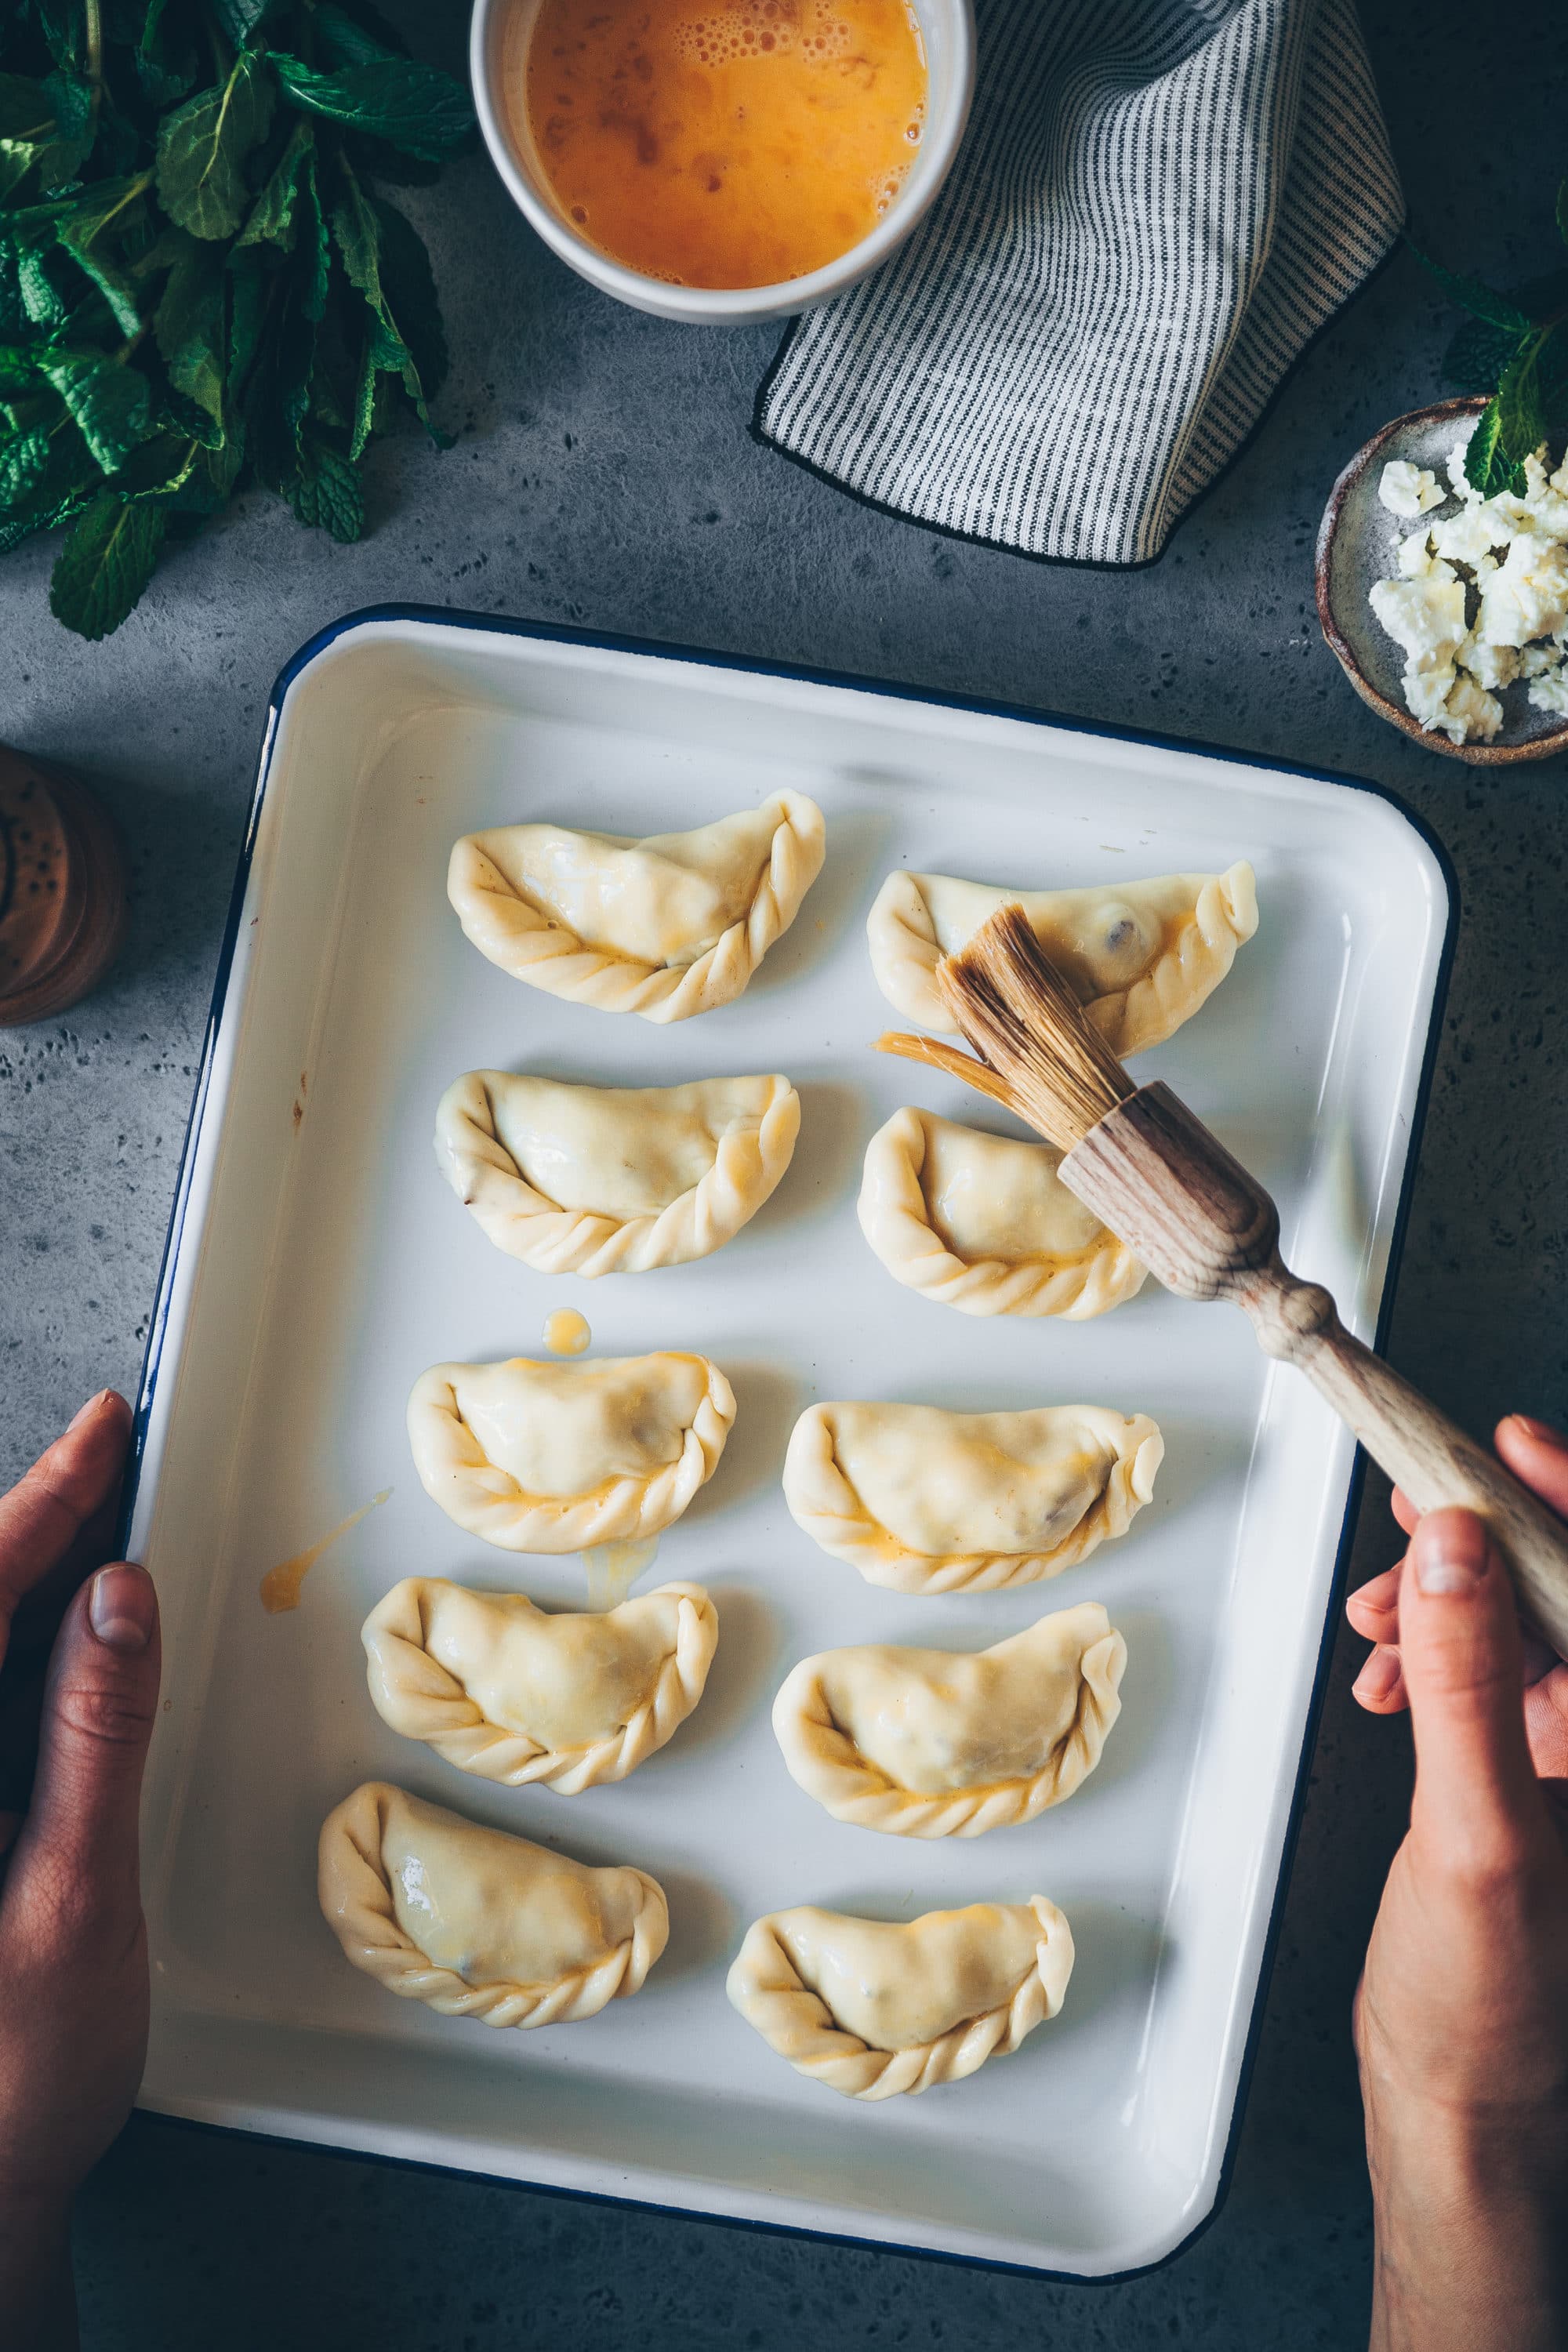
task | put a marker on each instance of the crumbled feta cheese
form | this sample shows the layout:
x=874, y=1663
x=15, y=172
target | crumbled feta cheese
x=1528, y=597
x=1426, y=618
x=1407, y=490
x=1462, y=488
x=1491, y=665
x=1425, y=695
x=1470, y=713
x=1465, y=537
x=1546, y=507
x=1549, y=691
x=1480, y=598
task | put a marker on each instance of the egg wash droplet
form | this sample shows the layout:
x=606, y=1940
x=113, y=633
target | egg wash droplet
x=280, y=1585
x=612, y=1569
x=566, y=1332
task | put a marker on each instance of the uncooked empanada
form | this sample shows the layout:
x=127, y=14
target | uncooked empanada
x=942, y=1743
x=503, y=1690
x=557, y=1457
x=929, y=1501
x=982, y=1224
x=613, y=1179
x=871, y=2007
x=1141, y=957
x=476, y=1923
x=667, y=927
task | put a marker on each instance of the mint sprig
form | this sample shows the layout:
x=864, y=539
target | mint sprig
x=203, y=283
x=1513, y=345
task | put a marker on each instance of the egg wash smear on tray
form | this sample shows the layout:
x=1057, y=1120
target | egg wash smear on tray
x=724, y=142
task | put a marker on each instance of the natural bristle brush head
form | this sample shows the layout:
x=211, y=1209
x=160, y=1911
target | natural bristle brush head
x=1030, y=1030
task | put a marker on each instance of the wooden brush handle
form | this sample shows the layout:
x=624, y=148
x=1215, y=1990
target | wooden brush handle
x=1206, y=1229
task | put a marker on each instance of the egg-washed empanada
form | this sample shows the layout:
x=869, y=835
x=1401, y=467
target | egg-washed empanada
x=476, y=1923
x=668, y=926
x=503, y=1690
x=872, y=2008
x=1141, y=957
x=930, y=1501
x=942, y=1743
x=613, y=1179
x=539, y=1457
x=982, y=1224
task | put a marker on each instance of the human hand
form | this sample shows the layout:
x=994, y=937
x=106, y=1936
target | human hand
x=1461, y=2016
x=79, y=1689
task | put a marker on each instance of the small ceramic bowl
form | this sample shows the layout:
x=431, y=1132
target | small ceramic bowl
x=1357, y=542
x=498, y=48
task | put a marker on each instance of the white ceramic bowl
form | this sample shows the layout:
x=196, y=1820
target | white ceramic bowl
x=498, y=44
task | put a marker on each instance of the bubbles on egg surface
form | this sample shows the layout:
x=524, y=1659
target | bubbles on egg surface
x=759, y=28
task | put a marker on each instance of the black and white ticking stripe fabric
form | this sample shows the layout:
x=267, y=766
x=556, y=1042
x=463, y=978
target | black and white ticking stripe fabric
x=1157, y=204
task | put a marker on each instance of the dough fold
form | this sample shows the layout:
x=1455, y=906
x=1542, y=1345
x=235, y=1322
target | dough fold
x=1141, y=957
x=505, y=1691
x=981, y=1222
x=667, y=927
x=476, y=1923
x=613, y=1179
x=937, y=1743
x=929, y=1501
x=550, y=1457
x=871, y=2009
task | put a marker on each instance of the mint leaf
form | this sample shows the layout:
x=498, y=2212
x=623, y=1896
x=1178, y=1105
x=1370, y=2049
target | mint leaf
x=1473, y=295
x=1479, y=354
x=15, y=529
x=210, y=483
x=24, y=460
x=26, y=112
x=70, y=97
x=1520, y=410
x=41, y=299
x=189, y=326
x=202, y=147
x=315, y=247
x=106, y=563
x=110, y=209
x=272, y=219
x=60, y=23
x=408, y=288
x=344, y=42
x=1481, y=452
x=13, y=318
x=239, y=18
x=328, y=493
x=417, y=108
x=251, y=280
x=107, y=401
x=387, y=265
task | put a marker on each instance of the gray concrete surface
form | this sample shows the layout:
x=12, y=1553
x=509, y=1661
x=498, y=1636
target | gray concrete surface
x=604, y=476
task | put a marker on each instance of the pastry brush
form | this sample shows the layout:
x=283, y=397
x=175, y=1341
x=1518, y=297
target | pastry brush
x=1151, y=1170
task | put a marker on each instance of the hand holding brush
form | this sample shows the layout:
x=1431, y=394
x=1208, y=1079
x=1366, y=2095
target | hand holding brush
x=1165, y=1185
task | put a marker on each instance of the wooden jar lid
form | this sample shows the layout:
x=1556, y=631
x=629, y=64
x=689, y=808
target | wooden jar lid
x=62, y=891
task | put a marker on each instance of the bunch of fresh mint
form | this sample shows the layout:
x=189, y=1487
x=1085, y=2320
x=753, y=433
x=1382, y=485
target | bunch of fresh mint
x=1514, y=346
x=201, y=283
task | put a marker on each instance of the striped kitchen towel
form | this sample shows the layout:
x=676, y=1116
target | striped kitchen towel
x=1157, y=203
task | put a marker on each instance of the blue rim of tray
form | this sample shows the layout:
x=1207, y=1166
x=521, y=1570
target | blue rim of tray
x=562, y=633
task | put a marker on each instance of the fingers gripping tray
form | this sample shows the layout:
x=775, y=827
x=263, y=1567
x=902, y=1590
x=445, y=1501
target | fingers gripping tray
x=319, y=1265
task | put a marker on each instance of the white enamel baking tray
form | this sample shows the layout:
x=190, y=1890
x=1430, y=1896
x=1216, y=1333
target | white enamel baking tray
x=318, y=1262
